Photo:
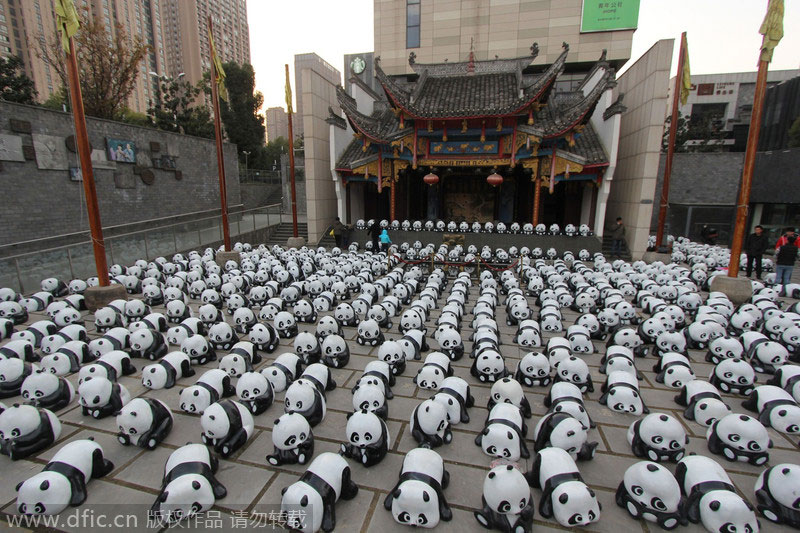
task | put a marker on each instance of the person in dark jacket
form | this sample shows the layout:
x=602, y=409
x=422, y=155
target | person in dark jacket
x=709, y=235
x=374, y=232
x=617, y=237
x=754, y=246
x=338, y=231
x=785, y=256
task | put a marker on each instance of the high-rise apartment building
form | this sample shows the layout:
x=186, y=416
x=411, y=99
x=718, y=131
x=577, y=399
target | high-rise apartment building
x=277, y=123
x=320, y=66
x=175, y=29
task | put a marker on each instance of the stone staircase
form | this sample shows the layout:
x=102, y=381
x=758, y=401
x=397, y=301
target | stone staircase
x=625, y=254
x=284, y=230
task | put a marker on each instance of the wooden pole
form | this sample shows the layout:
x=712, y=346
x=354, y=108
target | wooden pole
x=223, y=191
x=673, y=127
x=85, y=155
x=291, y=164
x=749, y=165
x=537, y=197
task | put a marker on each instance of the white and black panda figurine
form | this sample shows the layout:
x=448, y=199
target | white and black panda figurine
x=650, y=491
x=307, y=347
x=574, y=370
x=254, y=390
x=775, y=407
x=788, y=378
x=145, y=422
x=370, y=397
x=433, y=371
x=325, y=481
x=392, y=353
x=507, y=501
x=508, y=390
x=222, y=336
x=305, y=398
x=658, y=437
x=414, y=343
x=148, y=343
x=489, y=366
x=100, y=397
x=454, y=393
x=450, y=344
x=209, y=388
x=112, y=365
x=292, y=439
x=777, y=492
x=166, y=372
x=283, y=370
x=63, y=481
x=47, y=391
x=285, y=324
x=199, y=350
x=20, y=349
x=766, y=356
x=621, y=394
x=734, y=376
x=227, y=425
x=418, y=497
x=567, y=398
x=26, y=430
x=335, y=352
x=503, y=435
x=13, y=373
x=367, y=438
x=429, y=424
x=711, y=497
x=564, y=494
x=739, y=437
x=378, y=373
x=369, y=333
x=189, y=486
x=562, y=430
x=533, y=370
x=241, y=359
x=265, y=337
x=702, y=401
x=673, y=370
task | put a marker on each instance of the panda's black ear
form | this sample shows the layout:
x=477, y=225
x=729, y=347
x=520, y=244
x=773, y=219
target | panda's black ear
x=304, y=500
x=563, y=498
x=283, y=490
x=491, y=475
x=425, y=496
x=715, y=505
x=19, y=486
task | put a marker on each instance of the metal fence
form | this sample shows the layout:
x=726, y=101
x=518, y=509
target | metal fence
x=255, y=175
x=23, y=272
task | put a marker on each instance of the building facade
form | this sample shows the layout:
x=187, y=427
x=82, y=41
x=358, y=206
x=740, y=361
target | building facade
x=277, y=123
x=324, y=69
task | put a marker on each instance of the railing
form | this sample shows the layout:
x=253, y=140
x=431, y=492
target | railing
x=23, y=272
x=255, y=175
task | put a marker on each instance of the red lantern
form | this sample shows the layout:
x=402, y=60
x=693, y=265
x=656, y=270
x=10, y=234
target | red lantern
x=431, y=178
x=494, y=179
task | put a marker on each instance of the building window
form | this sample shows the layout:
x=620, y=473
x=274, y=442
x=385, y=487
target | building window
x=412, y=23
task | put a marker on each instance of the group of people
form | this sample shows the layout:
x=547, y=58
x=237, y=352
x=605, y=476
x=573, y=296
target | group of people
x=785, y=253
x=341, y=232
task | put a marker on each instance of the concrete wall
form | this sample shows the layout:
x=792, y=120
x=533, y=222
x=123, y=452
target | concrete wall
x=641, y=128
x=259, y=194
x=318, y=94
x=39, y=202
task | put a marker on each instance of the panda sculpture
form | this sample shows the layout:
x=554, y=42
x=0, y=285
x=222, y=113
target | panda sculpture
x=650, y=491
x=533, y=370
x=326, y=480
x=418, y=497
x=367, y=438
x=283, y=371
x=777, y=495
x=574, y=370
x=454, y=394
x=673, y=370
x=62, y=482
x=199, y=350
x=489, y=366
x=734, y=376
x=564, y=494
x=413, y=344
x=144, y=422
x=566, y=397
x=242, y=357
x=113, y=339
x=503, y=435
x=450, y=344
x=334, y=351
x=47, y=391
x=222, y=336
x=264, y=336
x=292, y=440
x=167, y=371
x=26, y=430
x=100, y=397
x=254, y=391
x=724, y=348
x=112, y=365
x=370, y=398
x=739, y=437
x=285, y=325
x=20, y=349
x=702, y=401
x=509, y=390
x=227, y=425
x=621, y=394
x=775, y=407
x=369, y=333
x=305, y=398
x=429, y=424
x=209, y=388
x=562, y=430
x=189, y=486
x=190, y=326
x=148, y=343
x=433, y=371
x=378, y=373
x=658, y=437
x=507, y=501
x=788, y=378
x=711, y=498
x=307, y=347
x=392, y=353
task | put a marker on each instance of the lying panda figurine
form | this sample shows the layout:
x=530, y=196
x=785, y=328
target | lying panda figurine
x=227, y=426
x=63, y=481
x=429, y=424
x=621, y=394
x=166, y=372
x=508, y=390
x=650, y=491
x=776, y=494
x=148, y=343
x=507, y=501
x=454, y=394
x=325, y=481
x=739, y=438
x=711, y=497
x=283, y=371
x=658, y=437
x=145, y=422
x=112, y=366
x=673, y=370
x=413, y=344
x=562, y=430
x=702, y=401
x=418, y=497
x=26, y=430
x=292, y=439
x=22, y=350
x=189, y=486
x=574, y=370
x=734, y=376
x=564, y=494
x=254, y=391
x=209, y=388
x=367, y=438
x=13, y=373
x=775, y=407
x=503, y=435
x=47, y=391
x=100, y=397
x=566, y=397
x=788, y=378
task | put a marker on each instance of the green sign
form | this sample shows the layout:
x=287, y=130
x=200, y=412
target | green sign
x=608, y=15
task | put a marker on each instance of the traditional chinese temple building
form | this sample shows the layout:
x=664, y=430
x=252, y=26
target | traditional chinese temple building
x=494, y=140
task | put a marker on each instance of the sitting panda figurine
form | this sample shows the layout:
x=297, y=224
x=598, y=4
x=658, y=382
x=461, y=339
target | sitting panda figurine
x=562, y=430
x=508, y=390
x=166, y=372
x=533, y=370
x=307, y=347
x=63, y=481
x=255, y=392
x=776, y=494
x=264, y=336
x=292, y=439
x=650, y=491
x=775, y=407
x=189, y=486
x=100, y=397
x=507, y=501
x=503, y=435
x=621, y=394
x=702, y=401
x=26, y=430
x=369, y=333
x=227, y=426
x=658, y=437
x=739, y=437
x=47, y=391
x=378, y=373
x=305, y=398
x=564, y=494
x=711, y=497
x=450, y=344
x=222, y=336
x=429, y=424
x=285, y=324
x=489, y=366
x=392, y=353
x=199, y=350
x=418, y=497
x=145, y=422
x=209, y=388
x=367, y=438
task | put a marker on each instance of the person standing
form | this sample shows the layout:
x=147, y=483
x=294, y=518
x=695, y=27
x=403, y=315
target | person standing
x=754, y=246
x=785, y=256
x=338, y=231
x=385, y=241
x=374, y=231
x=617, y=237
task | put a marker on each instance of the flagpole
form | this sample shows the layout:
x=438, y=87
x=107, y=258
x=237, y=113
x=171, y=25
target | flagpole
x=673, y=128
x=85, y=156
x=291, y=156
x=223, y=192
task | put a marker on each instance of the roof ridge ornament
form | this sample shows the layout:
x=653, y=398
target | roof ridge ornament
x=534, y=49
x=412, y=58
x=603, y=55
x=565, y=46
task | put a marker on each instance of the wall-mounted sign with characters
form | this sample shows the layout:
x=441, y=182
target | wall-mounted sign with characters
x=609, y=15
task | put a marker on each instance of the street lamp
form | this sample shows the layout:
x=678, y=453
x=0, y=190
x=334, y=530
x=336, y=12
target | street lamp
x=246, y=153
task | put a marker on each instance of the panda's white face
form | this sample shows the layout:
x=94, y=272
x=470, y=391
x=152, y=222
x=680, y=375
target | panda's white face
x=575, y=504
x=506, y=491
x=195, y=346
x=430, y=377
x=368, y=398
x=299, y=397
x=141, y=340
x=305, y=343
x=45, y=493
x=490, y=363
x=215, y=422
x=662, y=432
x=654, y=488
x=708, y=410
x=569, y=435
x=415, y=504
x=722, y=510
x=18, y=421
x=500, y=441
x=233, y=364
x=221, y=333
x=95, y=392
x=784, y=419
x=252, y=385
x=38, y=385
x=303, y=507
x=625, y=400
x=154, y=377
x=135, y=419
x=363, y=429
x=186, y=496
x=284, y=321
x=573, y=370
x=194, y=399
x=741, y=433
x=677, y=375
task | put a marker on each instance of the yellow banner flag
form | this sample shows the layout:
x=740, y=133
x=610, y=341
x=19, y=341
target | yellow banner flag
x=67, y=21
x=771, y=29
x=288, y=94
x=686, y=75
x=220, y=72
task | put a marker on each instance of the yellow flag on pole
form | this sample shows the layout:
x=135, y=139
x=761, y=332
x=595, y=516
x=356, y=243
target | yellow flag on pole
x=771, y=29
x=288, y=94
x=67, y=20
x=220, y=72
x=686, y=75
